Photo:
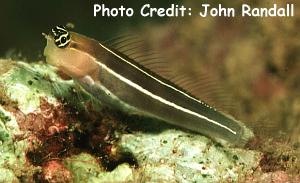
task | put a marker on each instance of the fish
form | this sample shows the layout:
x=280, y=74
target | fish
x=122, y=83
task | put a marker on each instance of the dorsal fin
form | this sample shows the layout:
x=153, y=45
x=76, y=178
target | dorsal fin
x=201, y=85
x=204, y=87
x=118, y=39
x=124, y=41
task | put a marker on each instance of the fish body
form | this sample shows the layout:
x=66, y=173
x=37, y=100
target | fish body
x=122, y=83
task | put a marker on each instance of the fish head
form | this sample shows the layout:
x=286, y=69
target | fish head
x=57, y=42
x=61, y=52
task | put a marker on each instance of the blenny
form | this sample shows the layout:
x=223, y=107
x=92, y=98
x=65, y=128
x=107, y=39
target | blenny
x=122, y=83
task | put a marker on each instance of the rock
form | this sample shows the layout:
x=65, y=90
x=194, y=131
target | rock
x=175, y=156
x=51, y=130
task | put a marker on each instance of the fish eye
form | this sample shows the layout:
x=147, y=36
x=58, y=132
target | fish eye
x=61, y=36
x=63, y=40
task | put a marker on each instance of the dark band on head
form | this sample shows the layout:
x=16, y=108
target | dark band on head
x=61, y=36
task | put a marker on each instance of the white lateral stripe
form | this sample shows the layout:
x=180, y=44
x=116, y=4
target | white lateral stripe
x=161, y=82
x=136, y=86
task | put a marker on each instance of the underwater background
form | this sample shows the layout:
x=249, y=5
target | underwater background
x=254, y=62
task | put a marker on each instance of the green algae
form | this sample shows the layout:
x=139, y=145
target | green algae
x=86, y=168
x=13, y=160
x=4, y=118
